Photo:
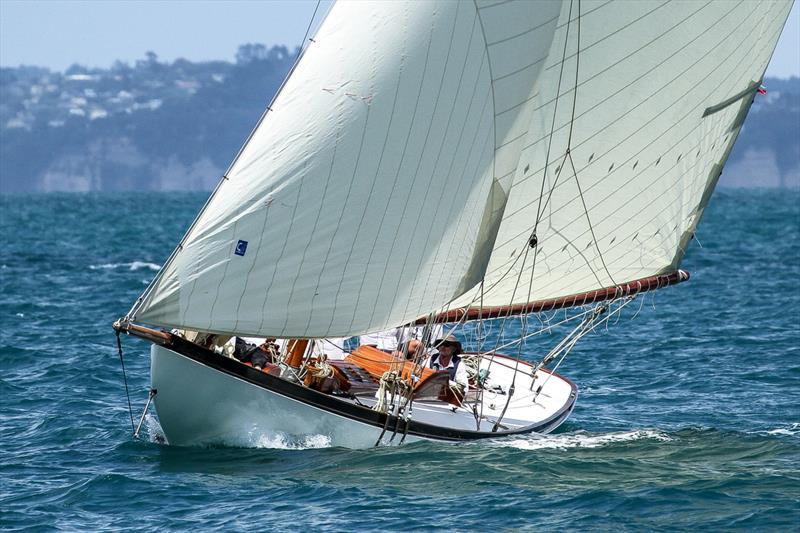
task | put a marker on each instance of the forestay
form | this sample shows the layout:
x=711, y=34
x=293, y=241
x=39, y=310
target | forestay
x=627, y=140
x=373, y=190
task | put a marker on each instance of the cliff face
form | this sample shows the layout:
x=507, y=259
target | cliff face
x=177, y=126
x=151, y=126
x=116, y=163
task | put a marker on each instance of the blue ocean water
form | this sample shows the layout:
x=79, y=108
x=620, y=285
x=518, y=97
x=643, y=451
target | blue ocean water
x=688, y=416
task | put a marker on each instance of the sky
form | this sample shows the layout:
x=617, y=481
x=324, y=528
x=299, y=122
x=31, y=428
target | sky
x=95, y=33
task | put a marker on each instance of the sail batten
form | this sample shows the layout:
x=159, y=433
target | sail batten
x=417, y=147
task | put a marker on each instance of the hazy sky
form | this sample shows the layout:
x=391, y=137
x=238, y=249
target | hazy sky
x=58, y=33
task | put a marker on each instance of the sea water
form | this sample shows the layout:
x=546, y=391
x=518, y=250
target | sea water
x=688, y=416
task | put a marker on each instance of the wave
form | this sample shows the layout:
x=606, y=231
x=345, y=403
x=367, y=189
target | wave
x=792, y=430
x=136, y=265
x=579, y=440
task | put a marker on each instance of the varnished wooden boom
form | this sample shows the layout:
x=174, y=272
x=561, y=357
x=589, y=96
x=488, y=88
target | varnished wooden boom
x=153, y=335
x=609, y=293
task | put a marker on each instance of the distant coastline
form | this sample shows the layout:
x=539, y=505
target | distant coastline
x=175, y=126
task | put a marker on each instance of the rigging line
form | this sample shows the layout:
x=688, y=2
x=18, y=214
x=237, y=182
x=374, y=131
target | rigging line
x=308, y=29
x=662, y=87
x=553, y=122
x=125, y=380
x=532, y=236
x=532, y=239
x=589, y=327
x=572, y=162
x=519, y=277
x=644, y=208
x=539, y=208
x=643, y=47
x=545, y=329
x=409, y=392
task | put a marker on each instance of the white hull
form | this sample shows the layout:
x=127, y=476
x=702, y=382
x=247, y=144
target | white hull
x=198, y=405
x=201, y=405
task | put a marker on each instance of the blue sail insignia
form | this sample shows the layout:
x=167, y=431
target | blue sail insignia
x=241, y=248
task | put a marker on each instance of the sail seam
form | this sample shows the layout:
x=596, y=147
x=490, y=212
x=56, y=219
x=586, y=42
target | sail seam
x=401, y=70
x=316, y=220
x=425, y=196
x=639, y=78
x=631, y=23
x=283, y=248
x=397, y=174
x=645, y=123
x=689, y=115
x=252, y=265
x=342, y=210
x=446, y=134
x=754, y=60
x=487, y=152
x=453, y=159
x=460, y=182
x=645, y=207
x=491, y=82
x=634, y=232
x=601, y=181
x=231, y=248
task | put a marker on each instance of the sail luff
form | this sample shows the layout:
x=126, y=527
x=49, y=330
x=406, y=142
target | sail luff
x=131, y=314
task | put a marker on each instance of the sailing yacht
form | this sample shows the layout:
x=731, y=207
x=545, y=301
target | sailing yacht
x=457, y=165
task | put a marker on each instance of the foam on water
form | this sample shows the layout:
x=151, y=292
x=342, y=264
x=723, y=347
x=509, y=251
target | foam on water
x=579, y=439
x=152, y=429
x=135, y=265
x=792, y=430
x=281, y=441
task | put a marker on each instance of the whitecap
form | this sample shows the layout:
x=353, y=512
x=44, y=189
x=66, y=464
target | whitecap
x=580, y=440
x=21, y=315
x=139, y=265
x=136, y=265
x=792, y=430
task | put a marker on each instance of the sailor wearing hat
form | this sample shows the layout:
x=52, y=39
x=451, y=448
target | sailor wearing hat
x=448, y=358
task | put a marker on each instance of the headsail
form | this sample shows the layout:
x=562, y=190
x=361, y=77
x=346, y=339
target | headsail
x=359, y=202
x=614, y=178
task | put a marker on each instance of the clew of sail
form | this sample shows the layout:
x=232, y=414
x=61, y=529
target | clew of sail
x=637, y=108
x=373, y=191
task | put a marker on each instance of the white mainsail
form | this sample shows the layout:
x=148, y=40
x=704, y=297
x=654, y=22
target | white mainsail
x=662, y=91
x=359, y=201
x=418, y=144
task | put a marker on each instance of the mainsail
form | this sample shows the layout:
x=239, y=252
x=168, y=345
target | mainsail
x=627, y=141
x=426, y=155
